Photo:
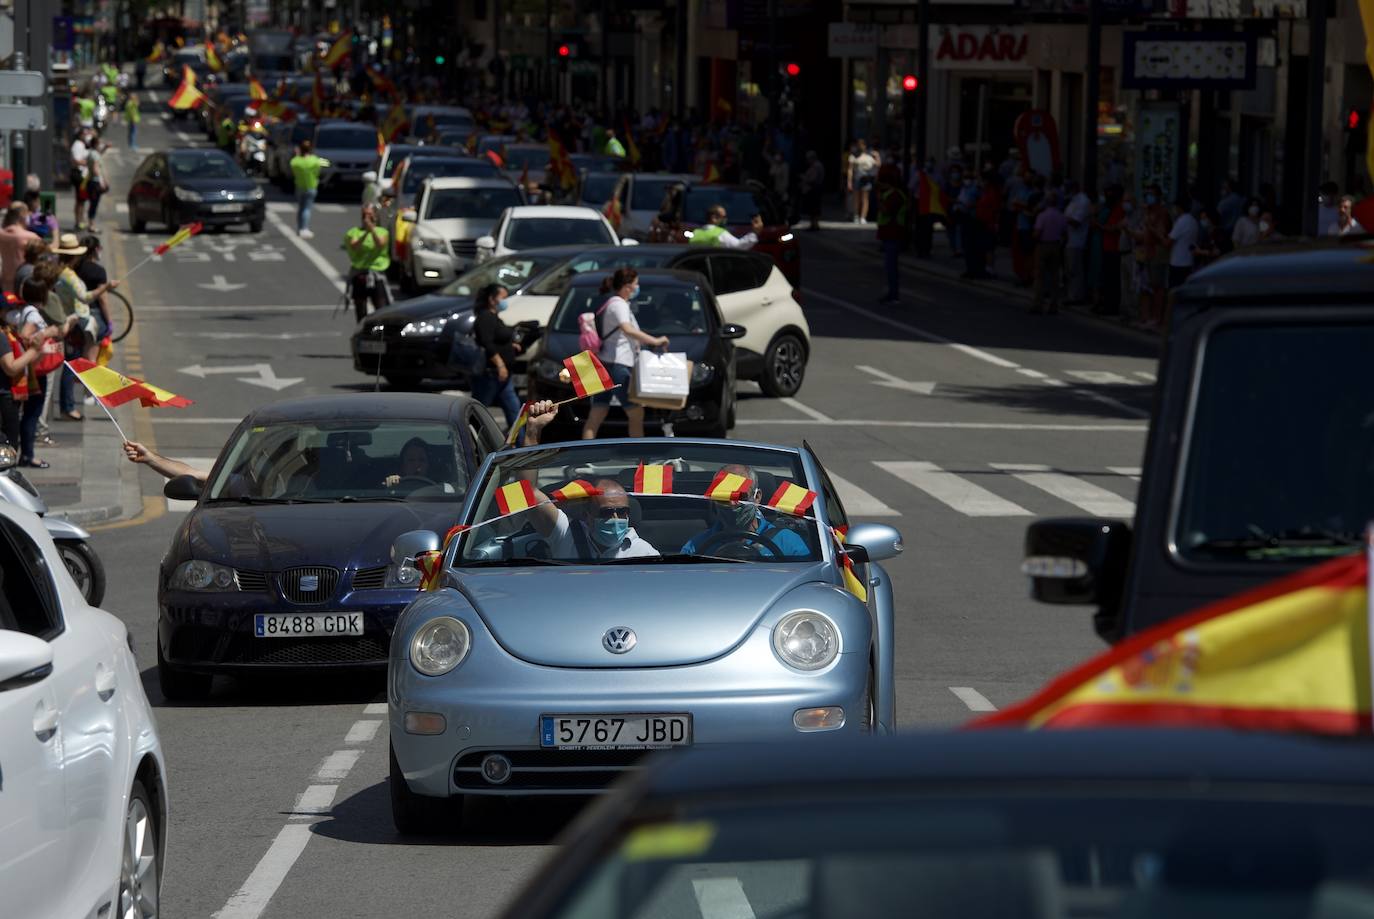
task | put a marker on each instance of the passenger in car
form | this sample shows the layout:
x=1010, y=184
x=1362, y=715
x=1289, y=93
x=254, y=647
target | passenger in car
x=739, y=521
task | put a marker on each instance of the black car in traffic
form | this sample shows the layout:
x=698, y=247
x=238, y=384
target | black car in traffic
x=177, y=187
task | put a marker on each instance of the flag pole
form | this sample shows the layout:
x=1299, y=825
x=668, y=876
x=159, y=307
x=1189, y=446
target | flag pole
x=148, y=258
x=103, y=406
x=576, y=398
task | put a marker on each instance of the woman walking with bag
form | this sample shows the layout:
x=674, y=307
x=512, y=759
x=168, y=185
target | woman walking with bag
x=620, y=338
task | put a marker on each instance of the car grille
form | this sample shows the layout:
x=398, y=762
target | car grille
x=464, y=248
x=550, y=770
x=253, y=582
x=364, y=649
x=370, y=578
x=296, y=584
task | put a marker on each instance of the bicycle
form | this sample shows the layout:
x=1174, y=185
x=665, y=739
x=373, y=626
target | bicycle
x=120, y=313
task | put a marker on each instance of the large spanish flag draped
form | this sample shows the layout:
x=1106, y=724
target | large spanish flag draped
x=1290, y=656
x=186, y=96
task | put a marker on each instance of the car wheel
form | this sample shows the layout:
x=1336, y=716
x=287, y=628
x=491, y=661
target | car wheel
x=140, y=875
x=784, y=366
x=420, y=815
x=137, y=224
x=85, y=568
x=869, y=724
x=255, y=226
x=401, y=381
x=181, y=685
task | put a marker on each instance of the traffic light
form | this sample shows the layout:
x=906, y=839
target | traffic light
x=564, y=51
x=793, y=69
x=439, y=59
x=1353, y=120
x=909, y=83
x=1356, y=134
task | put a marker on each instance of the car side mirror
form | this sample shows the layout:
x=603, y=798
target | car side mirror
x=24, y=659
x=629, y=242
x=486, y=242
x=411, y=544
x=182, y=488
x=1077, y=560
x=733, y=330
x=877, y=540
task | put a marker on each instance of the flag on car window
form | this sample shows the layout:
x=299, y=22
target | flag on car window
x=653, y=480
x=588, y=375
x=517, y=496
x=852, y=582
x=179, y=237
x=728, y=486
x=791, y=498
x=431, y=567
x=576, y=490
x=1292, y=655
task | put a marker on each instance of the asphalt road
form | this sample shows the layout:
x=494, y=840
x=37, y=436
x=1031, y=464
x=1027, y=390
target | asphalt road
x=955, y=417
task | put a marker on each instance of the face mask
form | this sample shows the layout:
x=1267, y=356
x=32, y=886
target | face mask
x=502, y=305
x=1264, y=226
x=635, y=292
x=611, y=532
x=739, y=517
x=1150, y=199
x=1253, y=212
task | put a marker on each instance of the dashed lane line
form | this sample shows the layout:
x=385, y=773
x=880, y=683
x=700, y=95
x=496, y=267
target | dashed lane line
x=362, y=731
x=315, y=800
x=808, y=411
x=975, y=700
x=337, y=765
x=375, y=708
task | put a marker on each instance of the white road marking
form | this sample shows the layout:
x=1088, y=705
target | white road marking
x=952, y=490
x=122, y=207
x=1130, y=472
x=953, y=425
x=252, y=898
x=266, y=376
x=269, y=336
x=1033, y=374
x=330, y=208
x=321, y=263
x=1147, y=377
x=1102, y=378
x=895, y=382
x=220, y=283
x=183, y=136
x=316, y=799
x=806, y=410
x=172, y=419
x=362, y=731
x=1089, y=497
x=722, y=898
x=859, y=503
x=337, y=765
x=374, y=708
x=975, y=700
x=281, y=207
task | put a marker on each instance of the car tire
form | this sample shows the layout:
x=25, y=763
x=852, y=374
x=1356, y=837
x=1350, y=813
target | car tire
x=784, y=366
x=255, y=226
x=85, y=568
x=140, y=872
x=420, y=815
x=137, y=224
x=401, y=381
x=869, y=719
x=181, y=685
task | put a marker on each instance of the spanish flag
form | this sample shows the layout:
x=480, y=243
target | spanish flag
x=613, y=213
x=791, y=498
x=272, y=108
x=179, y=237
x=728, y=486
x=113, y=388
x=589, y=376
x=316, y=103
x=631, y=148
x=711, y=175
x=186, y=96
x=517, y=496
x=395, y=122
x=560, y=164
x=852, y=582
x=155, y=55
x=1292, y=655
x=576, y=490
x=339, y=50
x=381, y=83
x=653, y=480
x=256, y=91
x=212, y=58
x=431, y=567
x=929, y=198
x=521, y=420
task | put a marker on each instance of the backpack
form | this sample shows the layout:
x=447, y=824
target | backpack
x=588, y=335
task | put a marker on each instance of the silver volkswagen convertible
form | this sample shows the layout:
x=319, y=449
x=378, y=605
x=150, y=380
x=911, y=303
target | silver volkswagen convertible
x=602, y=599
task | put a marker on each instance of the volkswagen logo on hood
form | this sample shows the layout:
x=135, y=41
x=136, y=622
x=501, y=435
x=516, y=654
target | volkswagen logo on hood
x=619, y=639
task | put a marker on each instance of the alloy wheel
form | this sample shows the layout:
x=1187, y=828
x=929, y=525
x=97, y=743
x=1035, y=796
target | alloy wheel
x=788, y=366
x=138, y=876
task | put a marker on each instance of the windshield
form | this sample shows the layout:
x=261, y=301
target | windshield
x=359, y=460
x=535, y=158
x=1280, y=459
x=302, y=131
x=648, y=192
x=346, y=137
x=739, y=205
x=564, y=504
x=536, y=232
x=660, y=309
x=636, y=257
x=1161, y=854
x=424, y=167
x=213, y=165
x=469, y=203
x=597, y=189
x=510, y=272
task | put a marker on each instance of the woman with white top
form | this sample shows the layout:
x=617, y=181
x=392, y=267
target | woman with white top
x=621, y=339
x=863, y=167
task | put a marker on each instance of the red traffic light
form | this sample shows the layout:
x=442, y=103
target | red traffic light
x=793, y=69
x=1352, y=119
x=564, y=51
x=909, y=83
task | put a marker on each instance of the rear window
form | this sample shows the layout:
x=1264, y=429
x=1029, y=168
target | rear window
x=209, y=164
x=422, y=168
x=535, y=232
x=598, y=189
x=346, y=137
x=660, y=309
x=469, y=203
x=526, y=157
x=1280, y=448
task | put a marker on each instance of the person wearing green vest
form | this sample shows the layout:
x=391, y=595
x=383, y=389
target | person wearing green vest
x=892, y=214
x=715, y=233
x=224, y=133
x=613, y=145
x=305, y=171
x=369, y=256
x=132, y=116
x=85, y=110
x=111, y=93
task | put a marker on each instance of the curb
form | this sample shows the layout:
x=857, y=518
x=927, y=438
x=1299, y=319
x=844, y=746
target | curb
x=104, y=498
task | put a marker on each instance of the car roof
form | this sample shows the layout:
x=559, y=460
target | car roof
x=668, y=276
x=339, y=122
x=355, y=406
x=469, y=182
x=552, y=211
x=654, y=441
x=997, y=758
x=665, y=177
x=1341, y=267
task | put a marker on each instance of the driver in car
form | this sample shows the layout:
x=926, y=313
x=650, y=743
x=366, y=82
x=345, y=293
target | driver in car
x=742, y=522
x=414, y=462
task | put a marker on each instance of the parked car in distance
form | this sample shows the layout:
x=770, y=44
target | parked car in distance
x=450, y=214
x=84, y=799
x=181, y=186
x=536, y=226
x=430, y=119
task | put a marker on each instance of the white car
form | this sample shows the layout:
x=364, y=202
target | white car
x=450, y=215
x=83, y=803
x=534, y=226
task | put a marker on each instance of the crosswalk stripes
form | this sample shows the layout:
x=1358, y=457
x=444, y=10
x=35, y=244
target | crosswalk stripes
x=1092, y=498
x=957, y=491
x=860, y=503
x=1107, y=378
x=953, y=490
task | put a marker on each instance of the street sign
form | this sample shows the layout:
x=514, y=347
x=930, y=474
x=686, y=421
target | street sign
x=22, y=117
x=26, y=84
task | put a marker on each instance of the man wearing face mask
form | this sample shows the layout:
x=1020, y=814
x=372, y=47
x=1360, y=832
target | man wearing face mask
x=744, y=517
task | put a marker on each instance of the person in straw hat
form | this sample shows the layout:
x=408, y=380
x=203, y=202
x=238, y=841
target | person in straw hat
x=76, y=299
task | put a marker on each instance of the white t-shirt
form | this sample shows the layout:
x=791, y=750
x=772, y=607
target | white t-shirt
x=1335, y=228
x=862, y=165
x=1078, y=212
x=1184, y=234
x=562, y=544
x=1246, y=232
x=80, y=153
x=616, y=346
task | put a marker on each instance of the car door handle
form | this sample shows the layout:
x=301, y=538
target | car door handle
x=44, y=721
x=104, y=682
x=766, y=301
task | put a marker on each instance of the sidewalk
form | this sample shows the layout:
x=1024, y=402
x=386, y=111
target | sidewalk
x=89, y=480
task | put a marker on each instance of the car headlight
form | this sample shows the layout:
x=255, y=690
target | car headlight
x=806, y=640
x=257, y=193
x=428, y=244
x=702, y=373
x=186, y=194
x=439, y=646
x=427, y=327
x=198, y=575
x=546, y=369
x=402, y=576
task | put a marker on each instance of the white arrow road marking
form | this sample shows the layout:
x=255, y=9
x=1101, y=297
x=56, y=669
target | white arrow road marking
x=266, y=377
x=892, y=382
x=1103, y=378
x=975, y=700
x=220, y=284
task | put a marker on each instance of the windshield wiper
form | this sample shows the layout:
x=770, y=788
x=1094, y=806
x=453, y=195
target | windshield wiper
x=351, y=499
x=512, y=562
x=251, y=500
x=675, y=559
x=1296, y=538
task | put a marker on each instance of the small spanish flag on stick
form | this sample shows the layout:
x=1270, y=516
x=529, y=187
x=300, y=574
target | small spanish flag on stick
x=256, y=91
x=576, y=490
x=852, y=582
x=431, y=567
x=653, y=480
x=179, y=237
x=112, y=389
x=515, y=497
x=521, y=420
x=212, y=58
x=588, y=375
x=791, y=498
x=728, y=486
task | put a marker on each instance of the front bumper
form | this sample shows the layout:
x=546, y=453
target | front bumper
x=205, y=212
x=435, y=269
x=418, y=358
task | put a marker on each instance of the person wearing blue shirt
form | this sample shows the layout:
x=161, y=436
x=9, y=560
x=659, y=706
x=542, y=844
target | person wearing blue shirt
x=744, y=517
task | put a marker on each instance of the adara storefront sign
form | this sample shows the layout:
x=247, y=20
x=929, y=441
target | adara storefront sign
x=981, y=48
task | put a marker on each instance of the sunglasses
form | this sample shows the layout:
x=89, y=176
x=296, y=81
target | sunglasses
x=606, y=513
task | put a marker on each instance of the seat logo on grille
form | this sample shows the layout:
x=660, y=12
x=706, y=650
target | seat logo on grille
x=310, y=583
x=619, y=639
